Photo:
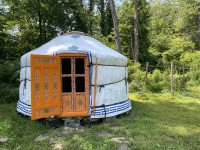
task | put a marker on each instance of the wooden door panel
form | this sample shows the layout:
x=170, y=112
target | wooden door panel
x=45, y=86
x=67, y=103
x=80, y=102
x=76, y=103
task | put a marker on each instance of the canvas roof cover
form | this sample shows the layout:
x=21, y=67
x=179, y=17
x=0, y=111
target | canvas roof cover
x=73, y=43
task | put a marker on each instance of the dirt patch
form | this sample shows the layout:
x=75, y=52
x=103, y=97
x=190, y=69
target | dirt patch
x=56, y=140
x=41, y=137
x=117, y=128
x=123, y=147
x=3, y=139
x=103, y=134
x=58, y=146
x=122, y=140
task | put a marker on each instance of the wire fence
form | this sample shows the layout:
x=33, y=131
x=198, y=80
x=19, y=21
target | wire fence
x=172, y=70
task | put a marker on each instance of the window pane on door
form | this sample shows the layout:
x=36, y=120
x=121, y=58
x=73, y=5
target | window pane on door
x=79, y=66
x=80, y=84
x=66, y=66
x=66, y=84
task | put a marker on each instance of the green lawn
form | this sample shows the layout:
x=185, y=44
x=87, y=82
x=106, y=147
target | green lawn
x=157, y=121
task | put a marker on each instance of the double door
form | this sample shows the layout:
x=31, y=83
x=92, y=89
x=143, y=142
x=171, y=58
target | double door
x=59, y=85
x=75, y=84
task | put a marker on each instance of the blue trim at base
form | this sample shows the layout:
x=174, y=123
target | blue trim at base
x=111, y=110
x=23, y=108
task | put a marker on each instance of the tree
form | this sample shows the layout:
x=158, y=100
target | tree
x=91, y=8
x=101, y=6
x=136, y=29
x=116, y=29
x=173, y=29
x=126, y=26
x=199, y=26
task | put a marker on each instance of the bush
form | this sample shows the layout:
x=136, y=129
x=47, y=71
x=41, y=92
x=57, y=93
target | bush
x=9, y=81
x=133, y=87
x=8, y=93
x=156, y=81
x=135, y=76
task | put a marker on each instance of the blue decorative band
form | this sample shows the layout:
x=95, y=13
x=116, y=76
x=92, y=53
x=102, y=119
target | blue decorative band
x=111, y=110
x=23, y=108
x=73, y=47
x=75, y=36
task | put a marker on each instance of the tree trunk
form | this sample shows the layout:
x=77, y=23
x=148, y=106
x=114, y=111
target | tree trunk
x=116, y=29
x=102, y=12
x=45, y=32
x=91, y=7
x=136, y=28
x=40, y=21
x=199, y=27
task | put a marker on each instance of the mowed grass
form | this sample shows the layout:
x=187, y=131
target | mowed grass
x=158, y=122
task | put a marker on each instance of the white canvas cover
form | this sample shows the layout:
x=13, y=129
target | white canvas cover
x=112, y=74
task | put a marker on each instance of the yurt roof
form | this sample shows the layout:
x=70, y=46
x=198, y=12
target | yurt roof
x=78, y=43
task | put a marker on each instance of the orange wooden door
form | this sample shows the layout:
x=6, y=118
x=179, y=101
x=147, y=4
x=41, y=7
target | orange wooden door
x=45, y=86
x=75, y=85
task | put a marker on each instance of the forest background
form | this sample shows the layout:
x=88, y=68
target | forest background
x=169, y=31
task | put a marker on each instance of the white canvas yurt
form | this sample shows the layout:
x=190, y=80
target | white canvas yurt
x=73, y=75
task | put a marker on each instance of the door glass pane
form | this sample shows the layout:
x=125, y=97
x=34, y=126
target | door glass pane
x=66, y=84
x=66, y=66
x=79, y=66
x=80, y=84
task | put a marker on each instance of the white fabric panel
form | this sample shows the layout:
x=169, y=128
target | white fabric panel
x=110, y=94
x=23, y=60
x=108, y=74
x=66, y=43
x=22, y=74
x=28, y=73
x=25, y=72
x=25, y=93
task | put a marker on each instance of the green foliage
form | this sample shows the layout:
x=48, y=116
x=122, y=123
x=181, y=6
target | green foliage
x=192, y=62
x=126, y=18
x=107, y=40
x=173, y=29
x=133, y=86
x=134, y=72
x=178, y=46
x=135, y=76
x=9, y=79
x=156, y=82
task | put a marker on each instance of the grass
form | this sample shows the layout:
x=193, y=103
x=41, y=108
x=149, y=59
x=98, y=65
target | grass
x=158, y=121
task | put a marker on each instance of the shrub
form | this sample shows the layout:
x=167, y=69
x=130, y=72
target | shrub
x=133, y=87
x=135, y=76
x=8, y=93
x=9, y=81
x=156, y=81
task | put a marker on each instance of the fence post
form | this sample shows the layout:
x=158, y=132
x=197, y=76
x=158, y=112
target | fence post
x=196, y=73
x=172, y=79
x=146, y=75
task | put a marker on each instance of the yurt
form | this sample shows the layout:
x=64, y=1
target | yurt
x=73, y=75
